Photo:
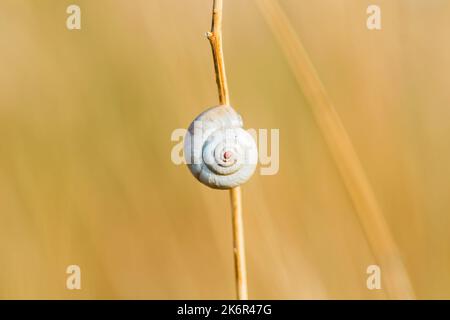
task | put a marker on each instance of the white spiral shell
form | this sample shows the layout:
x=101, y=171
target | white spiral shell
x=218, y=151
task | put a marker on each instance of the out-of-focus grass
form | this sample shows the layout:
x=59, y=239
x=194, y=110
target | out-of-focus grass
x=85, y=170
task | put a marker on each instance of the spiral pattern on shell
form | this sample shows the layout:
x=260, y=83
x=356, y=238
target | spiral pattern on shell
x=218, y=151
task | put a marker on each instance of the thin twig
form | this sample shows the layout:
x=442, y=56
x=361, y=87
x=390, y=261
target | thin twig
x=215, y=38
x=395, y=277
x=238, y=244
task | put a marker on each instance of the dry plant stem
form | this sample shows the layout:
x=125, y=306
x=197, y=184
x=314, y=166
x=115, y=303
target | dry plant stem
x=238, y=244
x=215, y=38
x=394, y=275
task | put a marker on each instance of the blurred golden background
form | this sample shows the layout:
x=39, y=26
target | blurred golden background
x=86, y=176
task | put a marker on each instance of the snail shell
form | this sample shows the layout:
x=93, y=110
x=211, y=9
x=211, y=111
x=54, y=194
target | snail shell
x=218, y=151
